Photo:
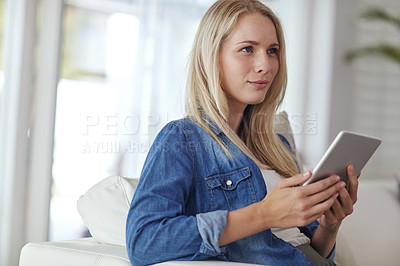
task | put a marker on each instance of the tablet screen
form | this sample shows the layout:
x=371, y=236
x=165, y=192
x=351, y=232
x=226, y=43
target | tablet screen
x=348, y=147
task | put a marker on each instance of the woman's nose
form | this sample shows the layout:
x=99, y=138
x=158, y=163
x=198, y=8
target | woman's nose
x=262, y=64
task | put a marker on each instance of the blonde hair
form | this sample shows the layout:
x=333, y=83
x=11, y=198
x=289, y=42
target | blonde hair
x=205, y=97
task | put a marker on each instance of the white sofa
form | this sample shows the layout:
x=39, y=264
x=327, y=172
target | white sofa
x=87, y=251
x=370, y=236
x=103, y=208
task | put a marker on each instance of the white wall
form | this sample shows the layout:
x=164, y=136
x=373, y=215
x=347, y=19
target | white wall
x=309, y=26
x=341, y=86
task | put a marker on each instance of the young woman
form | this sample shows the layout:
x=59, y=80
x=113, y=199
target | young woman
x=221, y=184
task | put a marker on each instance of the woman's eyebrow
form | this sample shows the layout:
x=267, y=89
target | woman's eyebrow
x=256, y=43
x=249, y=41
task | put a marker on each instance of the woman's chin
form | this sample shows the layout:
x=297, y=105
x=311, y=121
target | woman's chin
x=256, y=101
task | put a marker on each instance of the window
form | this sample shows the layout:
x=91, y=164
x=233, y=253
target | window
x=85, y=94
x=122, y=78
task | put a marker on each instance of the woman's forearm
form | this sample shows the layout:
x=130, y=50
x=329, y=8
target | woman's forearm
x=324, y=240
x=242, y=223
x=284, y=206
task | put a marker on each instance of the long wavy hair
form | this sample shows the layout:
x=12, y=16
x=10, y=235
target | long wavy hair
x=205, y=96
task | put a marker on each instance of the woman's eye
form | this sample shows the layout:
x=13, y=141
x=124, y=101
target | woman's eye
x=272, y=51
x=247, y=49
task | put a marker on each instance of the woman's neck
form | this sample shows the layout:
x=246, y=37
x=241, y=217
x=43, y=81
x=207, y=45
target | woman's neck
x=236, y=111
x=234, y=120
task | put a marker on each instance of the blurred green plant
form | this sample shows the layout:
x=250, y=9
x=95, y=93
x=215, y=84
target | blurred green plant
x=383, y=50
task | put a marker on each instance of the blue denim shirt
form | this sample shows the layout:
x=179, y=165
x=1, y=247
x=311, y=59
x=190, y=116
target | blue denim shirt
x=186, y=189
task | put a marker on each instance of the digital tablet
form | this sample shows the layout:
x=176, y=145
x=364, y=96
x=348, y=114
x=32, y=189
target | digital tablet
x=348, y=147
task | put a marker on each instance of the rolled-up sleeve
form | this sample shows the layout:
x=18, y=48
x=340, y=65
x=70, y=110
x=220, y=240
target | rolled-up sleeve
x=211, y=226
x=157, y=228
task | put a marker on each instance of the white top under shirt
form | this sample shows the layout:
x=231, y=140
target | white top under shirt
x=291, y=235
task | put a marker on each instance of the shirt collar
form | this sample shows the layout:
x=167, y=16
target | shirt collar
x=210, y=123
x=213, y=126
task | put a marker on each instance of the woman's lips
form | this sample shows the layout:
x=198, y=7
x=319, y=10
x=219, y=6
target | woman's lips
x=259, y=84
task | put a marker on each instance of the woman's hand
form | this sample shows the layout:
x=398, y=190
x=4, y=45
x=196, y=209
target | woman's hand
x=289, y=205
x=343, y=205
x=325, y=236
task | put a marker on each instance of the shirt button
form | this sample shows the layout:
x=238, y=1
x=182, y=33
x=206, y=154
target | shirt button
x=229, y=182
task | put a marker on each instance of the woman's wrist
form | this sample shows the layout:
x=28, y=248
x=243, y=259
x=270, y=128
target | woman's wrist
x=242, y=223
x=324, y=239
x=262, y=215
x=330, y=229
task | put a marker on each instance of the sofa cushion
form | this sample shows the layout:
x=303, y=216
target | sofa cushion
x=84, y=251
x=104, y=208
x=88, y=252
x=282, y=127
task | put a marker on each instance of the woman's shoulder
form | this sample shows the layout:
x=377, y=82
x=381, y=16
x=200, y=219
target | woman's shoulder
x=176, y=130
x=184, y=125
x=182, y=122
x=181, y=135
x=184, y=130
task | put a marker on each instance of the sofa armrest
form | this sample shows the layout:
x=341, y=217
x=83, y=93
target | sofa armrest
x=87, y=252
x=84, y=251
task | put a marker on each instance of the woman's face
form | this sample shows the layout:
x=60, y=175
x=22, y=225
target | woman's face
x=249, y=61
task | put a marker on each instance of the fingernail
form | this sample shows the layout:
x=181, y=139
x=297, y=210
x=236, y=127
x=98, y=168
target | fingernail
x=337, y=178
x=336, y=195
x=306, y=174
x=342, y=184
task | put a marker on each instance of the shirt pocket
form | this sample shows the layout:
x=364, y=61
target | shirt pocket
x=231, y=191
